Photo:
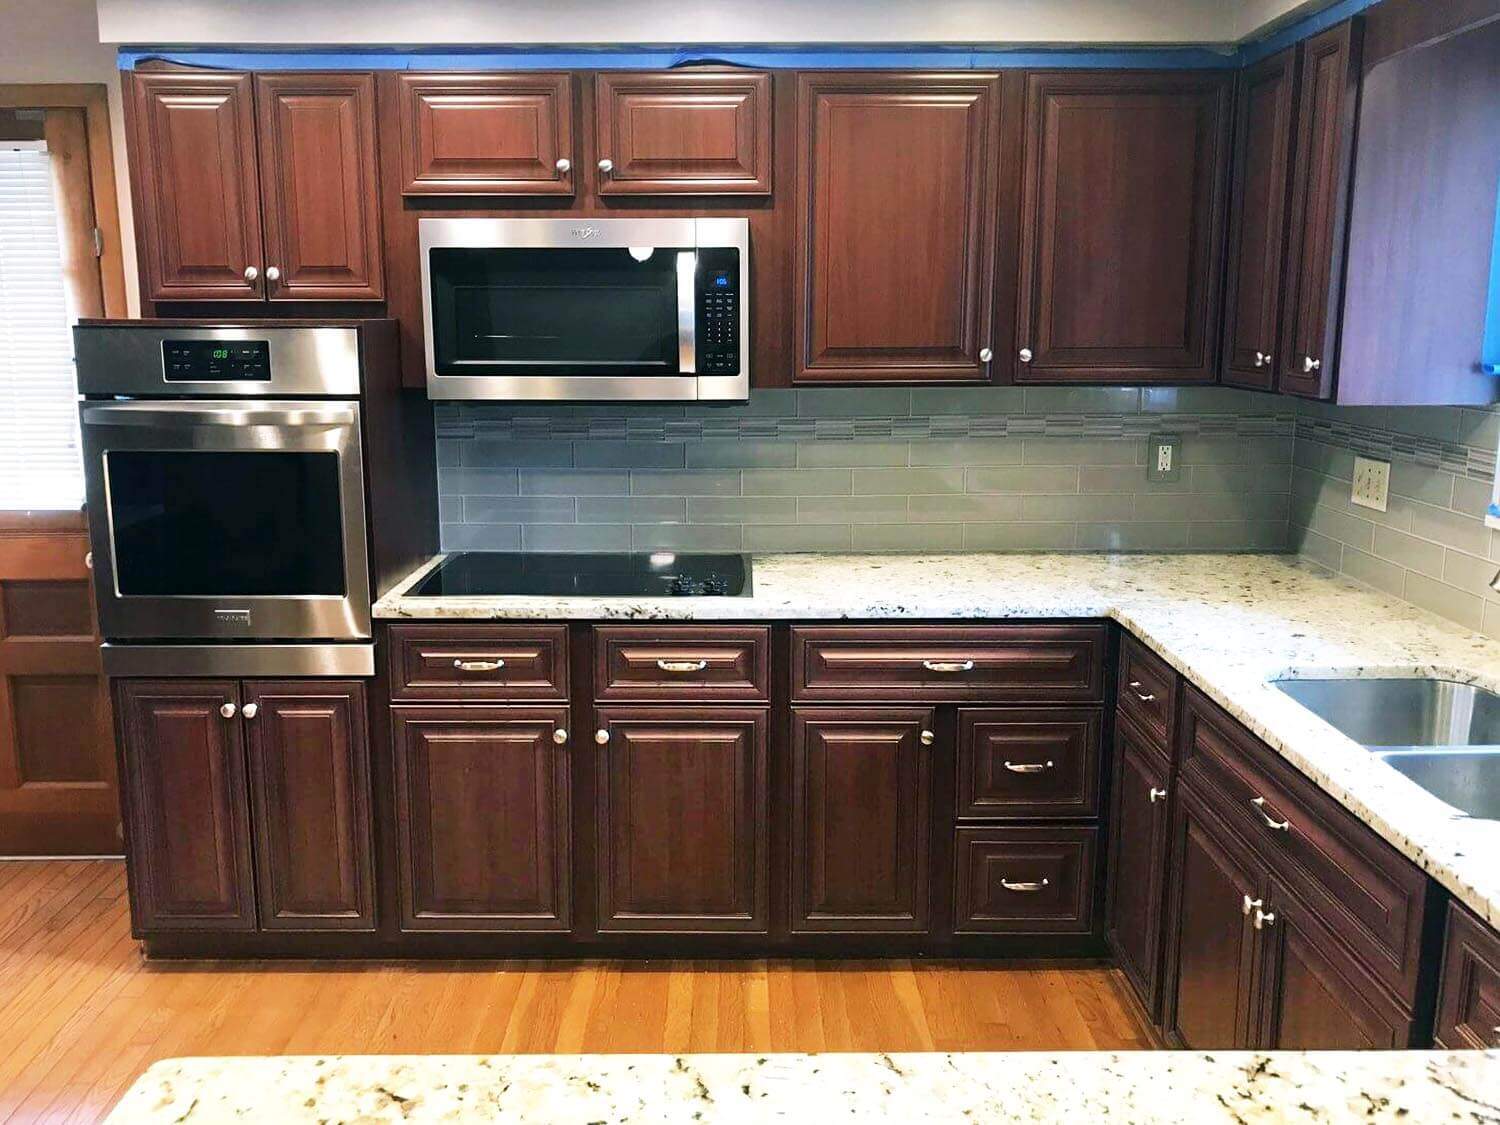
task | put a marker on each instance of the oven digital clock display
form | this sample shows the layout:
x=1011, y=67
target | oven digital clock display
x=215, y=361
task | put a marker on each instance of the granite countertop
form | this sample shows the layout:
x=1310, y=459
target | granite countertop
x=1137, y=1087
x=1229, y=623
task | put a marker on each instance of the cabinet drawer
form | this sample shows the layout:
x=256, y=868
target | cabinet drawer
x=1147, y=691
x=485, y=662
x=1024, y=880
x=691, y=663
x=1468, y=1012
x=1343, y=869
x=1014, y=763
x=1004, y=663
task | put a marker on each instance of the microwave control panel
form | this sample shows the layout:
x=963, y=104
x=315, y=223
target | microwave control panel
x=717, y=331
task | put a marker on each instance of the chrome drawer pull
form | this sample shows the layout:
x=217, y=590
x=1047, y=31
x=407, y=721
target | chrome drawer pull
x=1156, y=795
x=1028, y=767
x=948, y=665
x=682, y=665
x=1026, y=888
x=478, y=665
x=1273, y=825
x=1144, y=697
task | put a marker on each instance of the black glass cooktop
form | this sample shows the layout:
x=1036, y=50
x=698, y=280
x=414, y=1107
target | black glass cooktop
x=662, y=574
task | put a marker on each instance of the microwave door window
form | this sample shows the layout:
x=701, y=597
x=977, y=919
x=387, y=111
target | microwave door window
x=555, y=312
x=226, y=524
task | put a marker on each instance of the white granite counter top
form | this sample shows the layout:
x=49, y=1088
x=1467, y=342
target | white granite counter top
x=1139, y=1087
x=1229, y=623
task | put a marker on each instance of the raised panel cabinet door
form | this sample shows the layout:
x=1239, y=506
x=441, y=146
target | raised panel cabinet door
x=1122, y=226
x=1314, y=995
x=1328, y=90
x=682, y=819
x=486, y=134
x=861, y=794
x=1137, y=863
x=898, y=199
x=683, y=133
x=482, y=816
x=309, y=759
x=1468, y=1004
x=319, y=199
x=1209, y=1000
x=196, y=186
x=1265, y=99
x=187, y=812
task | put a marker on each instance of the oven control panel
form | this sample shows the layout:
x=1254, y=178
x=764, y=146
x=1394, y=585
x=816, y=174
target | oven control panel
x=215, y=361
x=717, y=331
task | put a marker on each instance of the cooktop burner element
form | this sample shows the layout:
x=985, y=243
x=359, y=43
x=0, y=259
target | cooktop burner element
x=661, y=574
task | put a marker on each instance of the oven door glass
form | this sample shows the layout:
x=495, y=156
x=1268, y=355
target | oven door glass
x=558, y=311
x=226, y=523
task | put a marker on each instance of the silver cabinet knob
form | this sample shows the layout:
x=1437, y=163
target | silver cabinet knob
x=928, y=738
x=1263, y=919
x=559, y=736
x=1309, y=365
x=1250, y=904
x=606, y=165
x=1025, y=355
x=88, y=560
x=273, y=274
x=251, y=273
x=986, y=354
x=1155, y=795
x=250, y=710
x=1261, y=359
x=563, y=165
x=601, y=737
x=227, y=710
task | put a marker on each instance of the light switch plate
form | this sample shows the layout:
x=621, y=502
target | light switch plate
x=1164, y=457
x=1372, y=483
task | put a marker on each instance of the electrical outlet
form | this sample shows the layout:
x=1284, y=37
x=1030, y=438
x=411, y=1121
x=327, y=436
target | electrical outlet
x=1164, y=457
x=1372, y=483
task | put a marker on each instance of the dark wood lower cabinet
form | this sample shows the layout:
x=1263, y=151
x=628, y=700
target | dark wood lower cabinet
x=187, y=816
x=482, y=800
x=861, y=800
x=1137, y=865
x=682, y=839
x=1024, y=880
x=310, y=803
x=1468, y=1008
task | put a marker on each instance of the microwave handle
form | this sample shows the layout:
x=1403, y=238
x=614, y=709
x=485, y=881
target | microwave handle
x=198, y=414
x=687, y=293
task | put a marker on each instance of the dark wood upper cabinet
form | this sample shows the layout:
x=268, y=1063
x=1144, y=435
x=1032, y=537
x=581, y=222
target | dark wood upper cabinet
x=683, y=133
x=861, y=795
x=1137, y=864
x=898, y=197
x=1328, y=93
x=319, y=202
x=1122, y=226
x=1265, y=100
x=310, y=799
x=482, y=811
x=185, y=805
x=682, y=819
x=487, y=134
x=196, y=187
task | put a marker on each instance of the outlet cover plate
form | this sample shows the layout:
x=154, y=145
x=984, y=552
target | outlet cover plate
x=1164, y=457
x=1372, y=483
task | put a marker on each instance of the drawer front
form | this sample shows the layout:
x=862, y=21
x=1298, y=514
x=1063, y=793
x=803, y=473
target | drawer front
x=1024, y=880
x=1028, y=763
x=681, y=663
x=1469, y=997
x=1004, y=663
x=1321, y=849
x=1147, y=691
x=482, y=662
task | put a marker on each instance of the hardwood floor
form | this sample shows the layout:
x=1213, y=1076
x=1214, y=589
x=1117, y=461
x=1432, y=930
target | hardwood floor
x=82, y=1014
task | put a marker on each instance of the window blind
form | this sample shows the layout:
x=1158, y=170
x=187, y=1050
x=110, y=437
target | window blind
x=40, y=463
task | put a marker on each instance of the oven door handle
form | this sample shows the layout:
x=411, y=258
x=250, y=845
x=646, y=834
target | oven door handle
x=199, y=414
x=687, y=304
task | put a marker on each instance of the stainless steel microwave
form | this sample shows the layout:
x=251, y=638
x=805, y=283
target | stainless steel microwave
x=586, y=309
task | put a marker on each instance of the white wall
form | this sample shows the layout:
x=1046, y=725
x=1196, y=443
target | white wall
x=58, y=41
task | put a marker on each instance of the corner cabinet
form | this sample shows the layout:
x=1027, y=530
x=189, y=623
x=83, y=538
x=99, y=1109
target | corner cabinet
x=255, y=187
x=898, y=197
x=1121, y=230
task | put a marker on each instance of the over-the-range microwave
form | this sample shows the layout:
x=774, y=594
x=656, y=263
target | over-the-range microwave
x=586, y=309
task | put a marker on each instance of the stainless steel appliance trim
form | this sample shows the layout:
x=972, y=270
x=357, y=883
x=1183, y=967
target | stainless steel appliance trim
x=239, y=660
x=201, y=427
x=127, y=360
x=687, y=294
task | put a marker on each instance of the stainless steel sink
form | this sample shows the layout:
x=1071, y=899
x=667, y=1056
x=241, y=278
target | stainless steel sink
x=1443, y=735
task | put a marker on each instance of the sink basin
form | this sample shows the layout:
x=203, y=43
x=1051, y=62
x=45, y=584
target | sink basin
x=1443, y=735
